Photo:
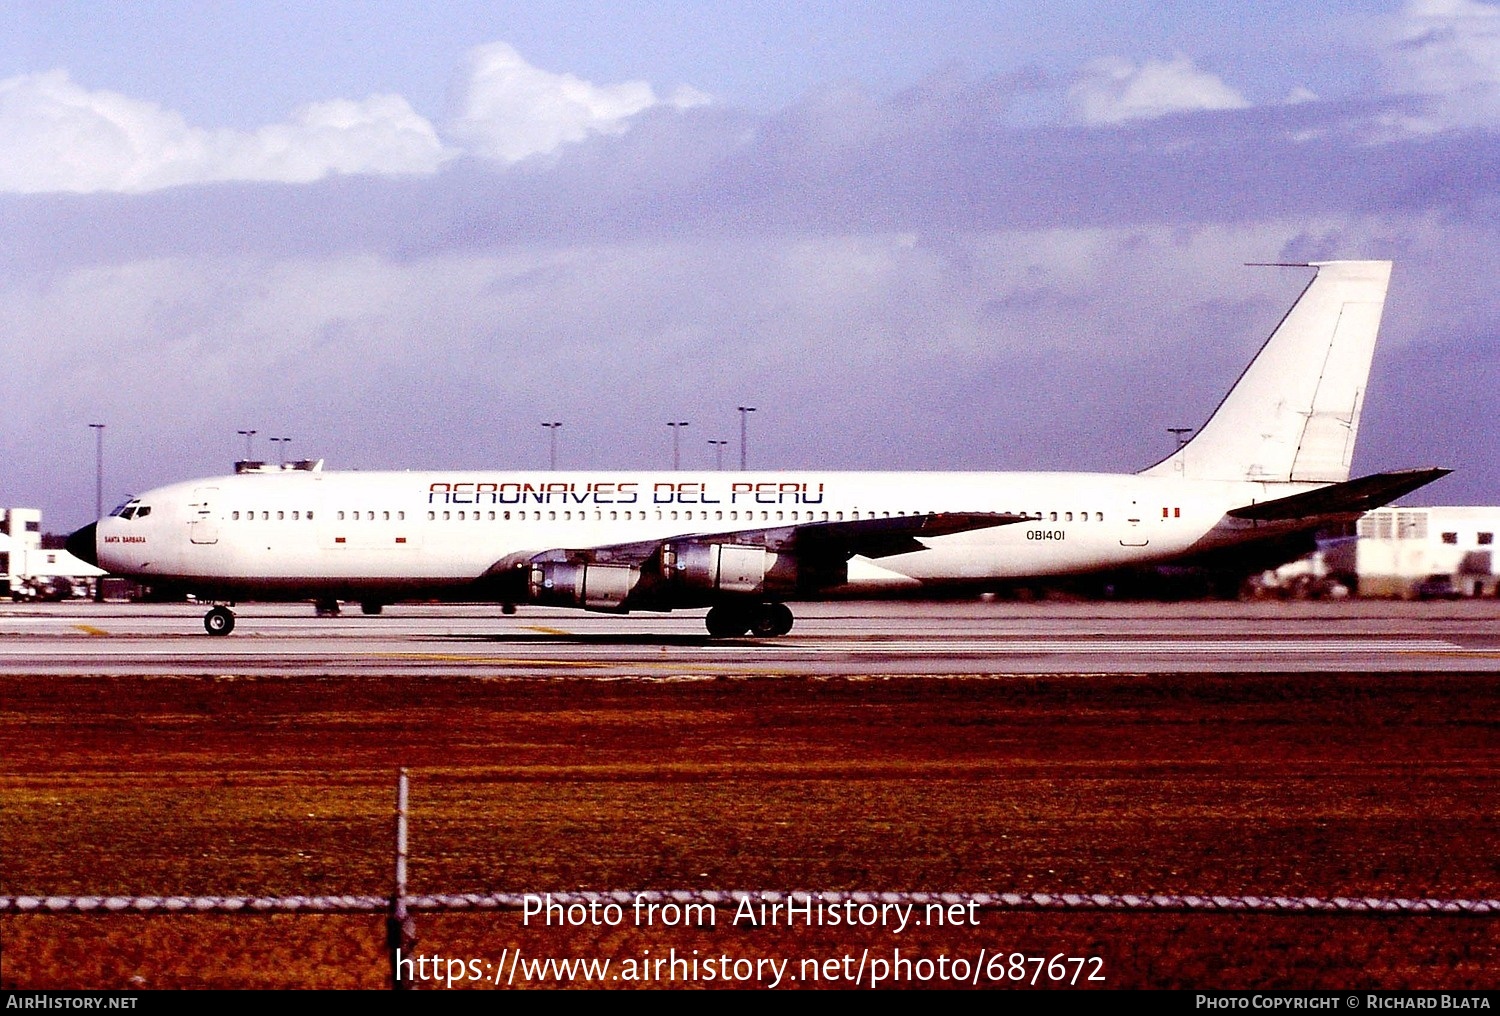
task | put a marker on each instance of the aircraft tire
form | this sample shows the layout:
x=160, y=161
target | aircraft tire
x=726, y=621
x=771, y=620
x=371, y=609
x=219, y=621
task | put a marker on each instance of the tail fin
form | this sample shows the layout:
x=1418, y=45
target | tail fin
x=1294, y=413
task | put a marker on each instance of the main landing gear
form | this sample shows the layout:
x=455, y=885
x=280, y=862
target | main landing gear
x=219, y=621
x=763, y=619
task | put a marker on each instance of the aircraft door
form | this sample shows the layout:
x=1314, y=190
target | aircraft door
x=1135, y=535
x=203, y=527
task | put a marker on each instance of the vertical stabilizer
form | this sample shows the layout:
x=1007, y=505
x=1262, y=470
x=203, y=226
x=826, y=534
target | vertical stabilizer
x=1294, y=412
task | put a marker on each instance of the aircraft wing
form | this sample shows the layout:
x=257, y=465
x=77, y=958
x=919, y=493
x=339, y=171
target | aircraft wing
x=1351, y=497
x=841, y=540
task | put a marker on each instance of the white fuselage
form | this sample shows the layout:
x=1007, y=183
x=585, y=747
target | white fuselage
x=296, y=533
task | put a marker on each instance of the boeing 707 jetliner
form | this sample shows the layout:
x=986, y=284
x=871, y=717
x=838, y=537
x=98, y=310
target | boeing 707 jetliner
x=1271, y=462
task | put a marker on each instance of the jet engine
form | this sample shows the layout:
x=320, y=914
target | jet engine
x=602, y=587
x=746, y=570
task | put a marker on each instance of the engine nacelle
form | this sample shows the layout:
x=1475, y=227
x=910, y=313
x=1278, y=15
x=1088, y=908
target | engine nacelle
x=591, y=586
x=744, y=570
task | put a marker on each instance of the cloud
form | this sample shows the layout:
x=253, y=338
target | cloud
x=511, y=110
x=1064, y=347
x=1113, y=90
x=63, y=137
x=1446, y=52
x=1072, y=291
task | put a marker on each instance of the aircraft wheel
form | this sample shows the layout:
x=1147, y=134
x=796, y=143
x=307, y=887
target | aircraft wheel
x=371, y=609
x=726, y=621
x=219, y=621
x=326, y=608
x=772, y=619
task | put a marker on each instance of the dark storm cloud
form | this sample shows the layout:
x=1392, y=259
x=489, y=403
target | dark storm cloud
x=941, y=162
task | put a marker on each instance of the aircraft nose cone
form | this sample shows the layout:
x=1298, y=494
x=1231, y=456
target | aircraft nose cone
x=83, y=544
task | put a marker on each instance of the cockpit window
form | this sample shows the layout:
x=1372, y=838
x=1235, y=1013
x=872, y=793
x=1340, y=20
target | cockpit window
x=143, y=511
x=127, y=510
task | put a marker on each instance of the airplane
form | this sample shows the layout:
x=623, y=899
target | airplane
x=1272, y=461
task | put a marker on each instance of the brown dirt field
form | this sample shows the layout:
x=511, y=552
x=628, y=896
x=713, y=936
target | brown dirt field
x=1272, y=784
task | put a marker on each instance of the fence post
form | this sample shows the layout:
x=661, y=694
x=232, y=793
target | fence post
x=400, y=929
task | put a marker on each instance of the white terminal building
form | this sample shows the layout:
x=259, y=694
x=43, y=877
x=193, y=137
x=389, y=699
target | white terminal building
x=1426, y=552
x=1405, y=553
x=30, y=572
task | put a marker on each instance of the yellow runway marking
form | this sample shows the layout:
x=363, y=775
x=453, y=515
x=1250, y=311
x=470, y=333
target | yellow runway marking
x=547, y=631
x=89, y=629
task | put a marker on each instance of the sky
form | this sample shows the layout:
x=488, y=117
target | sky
x=983, y=236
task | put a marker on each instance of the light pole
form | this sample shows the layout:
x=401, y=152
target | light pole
x=247, y=435
x=98, y=429
x=552, y=443
x=676, y=430
x=745, y=412
x=283, y=441
x=718, y=453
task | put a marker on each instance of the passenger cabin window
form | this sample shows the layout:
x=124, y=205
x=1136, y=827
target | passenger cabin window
x=1451, y=538
x=1485, y=539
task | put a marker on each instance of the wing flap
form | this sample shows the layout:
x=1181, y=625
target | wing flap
x=873, y=538
x=1351, y=497
x=887, y=537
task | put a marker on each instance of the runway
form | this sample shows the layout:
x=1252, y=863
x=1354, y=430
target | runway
x=969, y=637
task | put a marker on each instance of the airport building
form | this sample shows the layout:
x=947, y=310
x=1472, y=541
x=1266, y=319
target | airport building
x=1405, y=553
x=30, y=571
x=1427, y=552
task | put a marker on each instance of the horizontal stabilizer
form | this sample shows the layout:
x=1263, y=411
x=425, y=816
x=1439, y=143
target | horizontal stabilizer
x=1348, y=498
